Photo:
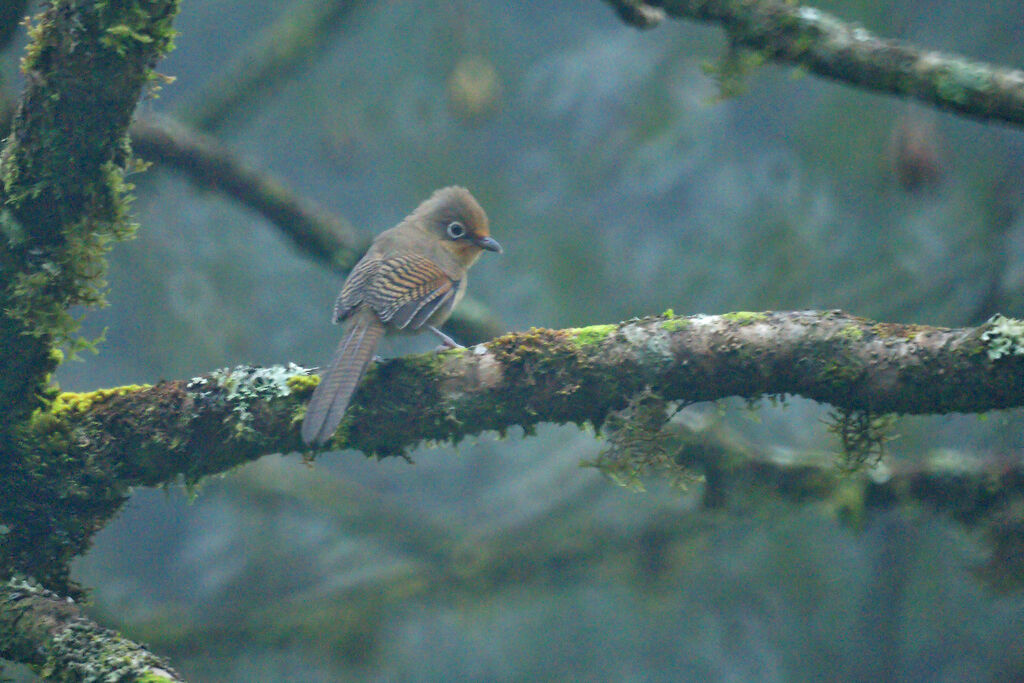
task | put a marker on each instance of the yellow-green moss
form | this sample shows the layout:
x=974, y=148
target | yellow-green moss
x=82, y=401
x=852, y=332
x=674, y=324
x=301, y=383
x=744, y=317
x=585, y=336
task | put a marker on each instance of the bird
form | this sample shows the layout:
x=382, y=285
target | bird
x=412, y=277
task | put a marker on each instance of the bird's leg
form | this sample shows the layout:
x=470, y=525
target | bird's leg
x=446, y=341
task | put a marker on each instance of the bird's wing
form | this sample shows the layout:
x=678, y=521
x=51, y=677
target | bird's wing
x=406, y=290
x=353, y=292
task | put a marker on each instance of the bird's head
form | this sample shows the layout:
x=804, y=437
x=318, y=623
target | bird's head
x=454, y=216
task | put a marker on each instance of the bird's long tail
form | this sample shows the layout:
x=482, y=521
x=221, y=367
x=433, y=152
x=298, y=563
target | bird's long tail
x=338, y=381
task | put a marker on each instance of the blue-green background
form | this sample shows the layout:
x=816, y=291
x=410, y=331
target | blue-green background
x=620, y=185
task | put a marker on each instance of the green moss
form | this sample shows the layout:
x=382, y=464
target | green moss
x=897, y=331
x=639, y=446
x=586, y=336
x=745, y=317
x=852, y=332
x=840, y=374
x=674, y=324
x=863, y=436
x=64, y=197
x=390, y=435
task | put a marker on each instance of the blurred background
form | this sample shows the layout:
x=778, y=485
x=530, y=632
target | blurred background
x=621, y=184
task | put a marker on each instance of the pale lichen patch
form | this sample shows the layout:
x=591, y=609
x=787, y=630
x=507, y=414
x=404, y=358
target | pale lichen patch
x=243, y=386
x=1004, y=337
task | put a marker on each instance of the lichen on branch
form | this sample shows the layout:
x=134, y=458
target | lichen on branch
x=50, y=634
x=207, y=424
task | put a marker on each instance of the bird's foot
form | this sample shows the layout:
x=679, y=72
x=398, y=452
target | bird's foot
x=446, y=341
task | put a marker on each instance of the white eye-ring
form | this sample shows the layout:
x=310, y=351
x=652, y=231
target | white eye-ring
x=456, y=230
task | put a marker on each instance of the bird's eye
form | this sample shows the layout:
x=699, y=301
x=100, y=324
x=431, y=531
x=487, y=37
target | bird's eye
x=456, y=230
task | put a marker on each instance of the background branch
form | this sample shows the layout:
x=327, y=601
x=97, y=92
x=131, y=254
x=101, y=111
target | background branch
x=845, y=52
x=51, y=635
x=440, y=556
x=211, y=166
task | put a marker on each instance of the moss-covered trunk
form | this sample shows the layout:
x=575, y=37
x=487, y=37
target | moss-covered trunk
x=62, y=203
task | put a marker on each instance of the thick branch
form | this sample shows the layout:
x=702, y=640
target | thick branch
x=50, y=634
x=110, y=440
x=832, y=48
x=212, y=423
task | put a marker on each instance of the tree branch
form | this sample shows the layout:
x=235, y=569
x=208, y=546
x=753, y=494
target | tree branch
x=50, y=634
x=830, y=47
x=96, y=446
x=212, y=423
x=211, y=166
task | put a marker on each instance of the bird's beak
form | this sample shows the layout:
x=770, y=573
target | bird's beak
x=488, y=243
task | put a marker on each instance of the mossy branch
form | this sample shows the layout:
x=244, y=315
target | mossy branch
x=206, y=425
x=62, y=196
x=89, y=449
x=51, y=635
x=827, y=46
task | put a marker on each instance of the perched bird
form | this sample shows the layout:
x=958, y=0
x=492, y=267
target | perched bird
x=411, y=277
